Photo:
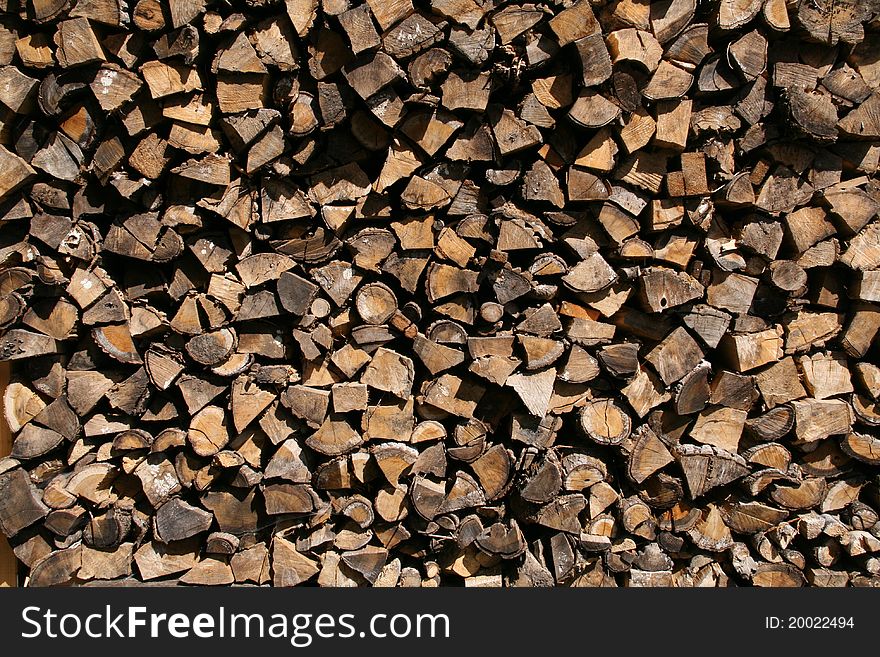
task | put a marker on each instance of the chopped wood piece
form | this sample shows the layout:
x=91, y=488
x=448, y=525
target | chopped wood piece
x=535, y=390
x=454, y=395
x=20, y=504
x=290, y=567
x=16, y=172
x=751, y=350
x=334, y=437
x=208, y=431
x=605, y=422
x=176, y=520
x=590, y=275
x=706, y=467
x=376, y=303
x=648, y=455
x=675, y=356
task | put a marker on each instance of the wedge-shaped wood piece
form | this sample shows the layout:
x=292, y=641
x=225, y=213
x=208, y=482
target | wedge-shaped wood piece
x=576, y=22
x=368, y=561
x=454, y=395
x=778, y=575
x=235, y=510
x=394, y=460
x=287, y=463
x=369, y=75
x=445, y=280
x=155, y=560
x=391, y=372
x=512, y=21
x=20, y=405
x=412, y=35
x=752, y=517
x=493, y=470
x=115, y=340
x=17, y=90
x=561, y=514
x=240, y=57
x=504, y=540
x=819, y=419
x=647, y=456
x=719, y=426
x=158, y=478
x=670, y=17
x=592, y=110
x=335, y=437
x=20, y=503
x=736, y=13
x=806, y=494
x=706, y=467
x=282, y=498
x=176, y=520
x=427, y=496
x=77, y=43
x=710, y=532
x=16, y=172
x=57, y=568
x=675, y=356
x=864, y=447
x=464, y=493
x=512, y=134
x=665, y=288
x=535, y=390
x=464, y=90
x=248, y=400
x=544, y=484
x=632, y=45
x=35, y=441
x=289, y=566
x=436, y=357
x=582, y=471
x=590, y=275
x=168, y=79
x=113, y=87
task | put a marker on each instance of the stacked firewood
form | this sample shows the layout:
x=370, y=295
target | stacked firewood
x=432, y=292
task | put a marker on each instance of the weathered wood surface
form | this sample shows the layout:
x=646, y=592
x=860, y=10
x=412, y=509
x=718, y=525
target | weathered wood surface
x=8, y=562
x=421, y=293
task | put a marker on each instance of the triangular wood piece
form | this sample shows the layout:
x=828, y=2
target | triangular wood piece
x=240, y=57
x=394, y=459
x=248, y=400
x=290, y=567
x=706, y=467
x=648, y=455
x=115, y=341
x=535, y=390
x=493, y=471
x=368, y=561
x=335, y=437
x=465, y=493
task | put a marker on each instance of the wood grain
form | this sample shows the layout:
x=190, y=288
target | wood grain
x=8, y=564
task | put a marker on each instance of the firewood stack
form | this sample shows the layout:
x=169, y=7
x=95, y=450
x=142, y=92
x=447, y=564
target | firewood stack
x=430, y=293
